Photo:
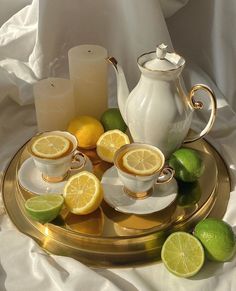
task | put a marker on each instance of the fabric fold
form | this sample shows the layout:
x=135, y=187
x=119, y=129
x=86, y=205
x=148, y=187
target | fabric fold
x=35, y=41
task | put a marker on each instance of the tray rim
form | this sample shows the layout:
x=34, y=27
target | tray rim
x=122, y=238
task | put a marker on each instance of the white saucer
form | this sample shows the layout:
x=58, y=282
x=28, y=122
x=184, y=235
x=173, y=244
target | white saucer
x=30, y=178
x=162, y=195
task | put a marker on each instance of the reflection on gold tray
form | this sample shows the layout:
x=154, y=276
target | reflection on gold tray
x=107, y=238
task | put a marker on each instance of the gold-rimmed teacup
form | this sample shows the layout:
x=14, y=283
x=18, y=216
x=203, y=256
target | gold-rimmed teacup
x=56, y=169
x=141, y=186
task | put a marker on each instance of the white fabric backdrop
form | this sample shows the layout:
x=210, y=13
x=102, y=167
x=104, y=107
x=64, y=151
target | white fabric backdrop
x=44, y=31
x=203, y=32
x=33, y=44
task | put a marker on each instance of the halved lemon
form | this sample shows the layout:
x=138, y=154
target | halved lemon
x=142, y=161
x=83, y=193
x=109, y=142
x=50, y=146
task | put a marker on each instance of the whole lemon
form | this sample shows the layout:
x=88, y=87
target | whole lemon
x=112, y=119
x=87, y=130
x=188, y=164
x=217, y=238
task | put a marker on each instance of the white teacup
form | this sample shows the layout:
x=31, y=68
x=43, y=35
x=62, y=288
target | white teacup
x=140, y=186
x=56, y=169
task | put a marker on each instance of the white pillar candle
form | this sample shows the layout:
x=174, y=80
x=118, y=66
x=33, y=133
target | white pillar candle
x=88, y=71
x=54, y=103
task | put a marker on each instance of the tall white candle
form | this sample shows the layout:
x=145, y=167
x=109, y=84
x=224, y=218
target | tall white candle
x=54, y=103
x=88, y=71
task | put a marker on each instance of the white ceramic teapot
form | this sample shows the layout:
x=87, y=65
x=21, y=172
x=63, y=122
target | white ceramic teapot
x=158, y=111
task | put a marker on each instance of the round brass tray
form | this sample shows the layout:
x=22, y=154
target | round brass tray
x=107, y=238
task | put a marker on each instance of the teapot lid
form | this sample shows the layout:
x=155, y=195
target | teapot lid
x=163, y=60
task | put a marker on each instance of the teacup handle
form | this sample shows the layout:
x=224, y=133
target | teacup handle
x=199, y=105
x=77, y=162
x=167, y=174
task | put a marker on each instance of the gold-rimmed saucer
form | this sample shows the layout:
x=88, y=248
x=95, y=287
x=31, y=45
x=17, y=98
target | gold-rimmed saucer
x=114, y=194
x=31, y=179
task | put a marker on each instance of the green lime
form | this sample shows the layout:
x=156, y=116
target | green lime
x=182, y=254
x=44, y=208
x=188, y=193
x=187, y=163
x=112, y=119
x=217, y=237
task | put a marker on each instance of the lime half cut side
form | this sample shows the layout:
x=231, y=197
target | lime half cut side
x=182, y=254
x=44, y=208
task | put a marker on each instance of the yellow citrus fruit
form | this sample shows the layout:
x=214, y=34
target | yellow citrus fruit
x=87, y=130
x=83, y=193
x=109, y=142
x=182, y=254
x=50, y=146
x=142, y=161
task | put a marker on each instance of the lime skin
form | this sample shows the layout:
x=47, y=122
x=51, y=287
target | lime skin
x=44, y=217
x=44, y=208
x=188, y=164
x=217, y=238
x=112, y=119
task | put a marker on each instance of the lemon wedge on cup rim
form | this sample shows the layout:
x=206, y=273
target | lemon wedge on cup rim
x=142, y=161
x=83, y=193
x=109, y=142
x=50, y=146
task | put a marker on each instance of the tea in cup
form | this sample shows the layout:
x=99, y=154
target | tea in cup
x=140, y=167
x=55, y=154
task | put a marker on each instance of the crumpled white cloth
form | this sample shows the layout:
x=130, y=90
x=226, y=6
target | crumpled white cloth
x=203, y=31
x=42, y=52
x=35, y=41
x=24, y=266
x=27, y=267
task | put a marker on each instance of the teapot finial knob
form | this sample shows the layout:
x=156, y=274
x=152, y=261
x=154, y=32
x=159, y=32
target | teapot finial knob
x=161, y=51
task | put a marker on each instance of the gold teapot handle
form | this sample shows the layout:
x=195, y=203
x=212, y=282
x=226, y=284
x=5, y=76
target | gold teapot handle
x=199, y=105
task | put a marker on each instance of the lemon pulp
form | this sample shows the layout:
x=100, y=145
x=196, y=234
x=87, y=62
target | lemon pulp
x=142, y=161
x=50, y=146
x=109, y=143
x=83, y=193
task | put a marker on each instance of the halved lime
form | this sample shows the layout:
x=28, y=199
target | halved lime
x=44, y=208
x=182, y=254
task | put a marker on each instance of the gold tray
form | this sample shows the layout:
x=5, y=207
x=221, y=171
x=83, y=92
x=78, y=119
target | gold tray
x=107, y=238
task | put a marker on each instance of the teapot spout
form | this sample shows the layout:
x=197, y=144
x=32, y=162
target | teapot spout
x=122, y=88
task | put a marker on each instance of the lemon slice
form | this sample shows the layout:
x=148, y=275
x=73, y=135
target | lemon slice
x=182, y=254
x=50, y=146
x=142, y=161
x=83, y=193
x=44, y=208
x=109, y=143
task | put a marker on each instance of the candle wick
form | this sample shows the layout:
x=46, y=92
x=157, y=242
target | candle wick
x=52, y=84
